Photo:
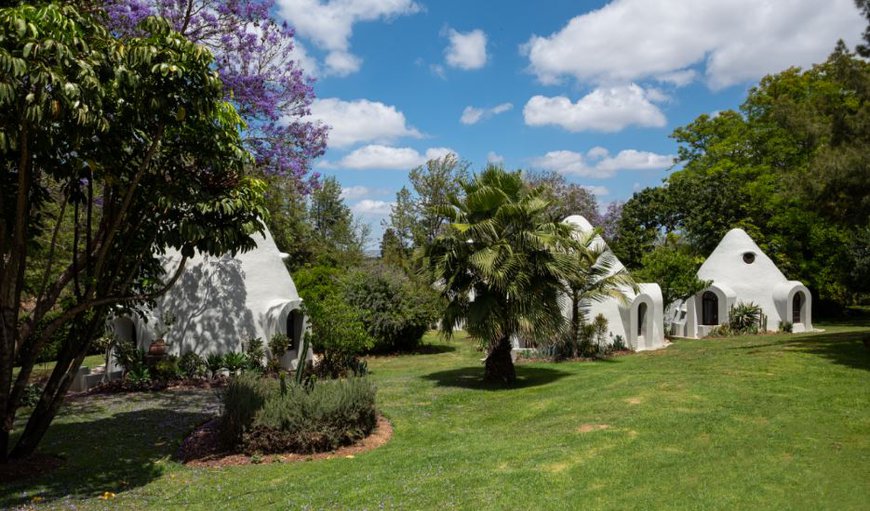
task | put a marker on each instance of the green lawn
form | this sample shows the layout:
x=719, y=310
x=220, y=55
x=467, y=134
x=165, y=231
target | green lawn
x=43, y=371
x=766, y=422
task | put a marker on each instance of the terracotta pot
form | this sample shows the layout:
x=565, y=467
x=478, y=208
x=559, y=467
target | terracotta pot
x=157, y=348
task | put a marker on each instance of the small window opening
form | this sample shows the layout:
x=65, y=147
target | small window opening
x=748, y=257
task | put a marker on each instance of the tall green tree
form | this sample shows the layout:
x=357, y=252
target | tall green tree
x=501, y=263
x=792, y=168
x=417, y=218
x=132, y=145
x=338, y=240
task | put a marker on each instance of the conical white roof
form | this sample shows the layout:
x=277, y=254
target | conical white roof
x=739, y=263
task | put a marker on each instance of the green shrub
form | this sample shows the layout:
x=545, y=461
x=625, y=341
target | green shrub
x=255, y=354
x=235, y=361
x=266, y=415
x=279, y=344
x=618, y=343
x=745, y=318
x=215, y=362
x=396, y=310
x=129, y=356
x=192, y=365
x=786, y=327
x=30, y=396
x=167, y=369
x=338, y=333
x=139, y=377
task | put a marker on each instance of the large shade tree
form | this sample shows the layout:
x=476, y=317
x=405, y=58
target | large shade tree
x=255, y=60
x=502, y=263
x=129, y=145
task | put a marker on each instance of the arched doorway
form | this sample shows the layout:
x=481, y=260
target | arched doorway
x=641, y=320
x=709, y=308
x=797, y=305
x=294, y=328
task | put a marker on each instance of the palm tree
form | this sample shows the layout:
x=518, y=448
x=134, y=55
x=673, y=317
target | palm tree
x=598, y=276
x=503, y=265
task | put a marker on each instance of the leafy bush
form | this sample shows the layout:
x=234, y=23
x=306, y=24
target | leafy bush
x=235, y=361
x=129, y=356
x=167, y=369
x=30, y=396
x=192, y=365
x=786, y=327
x=266, y=415
x=397, y=310
x=745, y=318
x=215, y=362
x=255, y=354
x=139, y=377
x=279, y=344
x=337, y=332
x=618, y=343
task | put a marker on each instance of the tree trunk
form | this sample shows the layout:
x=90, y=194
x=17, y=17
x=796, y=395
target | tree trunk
x=499, y=364
x=67, y=365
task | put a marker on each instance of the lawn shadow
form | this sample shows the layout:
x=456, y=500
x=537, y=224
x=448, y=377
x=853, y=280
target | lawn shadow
x=472, y=378
x=851, y=349
x=115, y=454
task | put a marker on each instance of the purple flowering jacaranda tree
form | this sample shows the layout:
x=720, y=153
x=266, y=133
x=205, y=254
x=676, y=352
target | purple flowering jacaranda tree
x=253, y=54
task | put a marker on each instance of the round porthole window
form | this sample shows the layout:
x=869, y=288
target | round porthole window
x=748, y=257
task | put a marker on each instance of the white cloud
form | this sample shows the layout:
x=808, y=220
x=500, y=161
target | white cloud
x=494, y=158
x=473, y=115
x=599, y=191
x=382, y=157
x=354, y=192
x=734, y=41
x=438, y=70
x=604, y=109
x=361, y=120
x=598, y=162
x=466, y=51
x=368, y=207
x=329, y=24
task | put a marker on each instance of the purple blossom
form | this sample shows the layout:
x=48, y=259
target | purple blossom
x=253, y=58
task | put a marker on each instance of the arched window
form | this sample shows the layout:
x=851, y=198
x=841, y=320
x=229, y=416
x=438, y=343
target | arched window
x=709, y=308
x=797, y=304
x=641, y=320
x=294, y=328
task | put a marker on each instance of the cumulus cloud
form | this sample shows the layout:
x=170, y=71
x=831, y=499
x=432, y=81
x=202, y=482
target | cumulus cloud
x=368, y=207
x=473, y=115
x=734, y=41
x=607, y=109
x=354, y=192
x=599, y=163
x=382, y=157
x=361, y=120
x=466, y=51
x=494, y=158
x=329, y=24
x=599, y=191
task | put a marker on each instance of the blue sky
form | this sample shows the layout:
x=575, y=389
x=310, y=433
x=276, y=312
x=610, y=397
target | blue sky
x=591, y=89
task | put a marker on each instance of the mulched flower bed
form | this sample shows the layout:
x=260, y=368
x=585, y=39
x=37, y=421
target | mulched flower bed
x=202, y=448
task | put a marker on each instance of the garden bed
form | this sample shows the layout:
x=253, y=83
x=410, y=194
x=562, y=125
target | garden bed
x=202, y=448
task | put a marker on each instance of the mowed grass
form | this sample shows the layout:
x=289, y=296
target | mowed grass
x=764, y=422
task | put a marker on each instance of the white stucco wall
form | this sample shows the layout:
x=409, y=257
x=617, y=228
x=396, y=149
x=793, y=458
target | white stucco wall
x=741, y=273
x=220, y=302
x=622, y=319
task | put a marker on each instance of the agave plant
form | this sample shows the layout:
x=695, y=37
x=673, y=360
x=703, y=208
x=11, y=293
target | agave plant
x=235, y=361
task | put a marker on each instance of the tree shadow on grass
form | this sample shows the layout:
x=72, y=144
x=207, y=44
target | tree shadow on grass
x=115, y=453
x=472, y=378
x=851, y=349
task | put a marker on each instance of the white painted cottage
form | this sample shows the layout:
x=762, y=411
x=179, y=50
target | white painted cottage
x=640, y=321
x=741, y=273
x=220, y=302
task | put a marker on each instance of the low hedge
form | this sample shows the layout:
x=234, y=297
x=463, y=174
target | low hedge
x=265, y=415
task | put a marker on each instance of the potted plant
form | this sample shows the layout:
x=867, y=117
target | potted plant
x=157, y=348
